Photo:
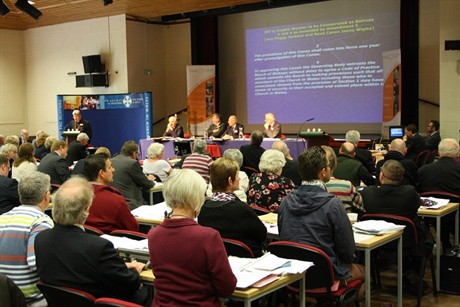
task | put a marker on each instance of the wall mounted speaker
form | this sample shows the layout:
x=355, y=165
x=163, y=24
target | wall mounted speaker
x=92, y=64
x=452, y=45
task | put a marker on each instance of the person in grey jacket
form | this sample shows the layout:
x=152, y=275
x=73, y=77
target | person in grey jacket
x=310, y=215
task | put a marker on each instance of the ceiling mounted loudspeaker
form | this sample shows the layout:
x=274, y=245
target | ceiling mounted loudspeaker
x=29, y=9
x=107, y=2
x=3, y=9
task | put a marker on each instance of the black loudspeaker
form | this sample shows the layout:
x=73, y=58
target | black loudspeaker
x=91, y=80
x=452, y=45
x=450, y=272
x=92, y=64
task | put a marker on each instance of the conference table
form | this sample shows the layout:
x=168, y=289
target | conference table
x=173, y=146
x=251, y=294
x=438, y=214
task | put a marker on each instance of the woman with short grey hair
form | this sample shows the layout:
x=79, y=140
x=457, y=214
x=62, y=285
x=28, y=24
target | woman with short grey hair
x=268, y=188
x=155, y=164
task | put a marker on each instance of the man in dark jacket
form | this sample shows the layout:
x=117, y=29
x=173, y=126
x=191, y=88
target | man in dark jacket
x=414, y=142
x=311, y=215
x=397, y=152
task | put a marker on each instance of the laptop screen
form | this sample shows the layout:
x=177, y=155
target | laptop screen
x=396, y=132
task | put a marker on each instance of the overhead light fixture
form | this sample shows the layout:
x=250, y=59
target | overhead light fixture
x=3, y=9
x=27, y=8
x=107, y=2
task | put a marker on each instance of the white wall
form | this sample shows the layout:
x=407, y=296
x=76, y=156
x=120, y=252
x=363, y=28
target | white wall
x=12, y=82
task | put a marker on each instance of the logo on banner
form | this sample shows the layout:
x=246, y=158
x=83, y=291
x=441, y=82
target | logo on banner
x=127, y=101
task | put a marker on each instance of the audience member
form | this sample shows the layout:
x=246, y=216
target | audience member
x=173, y=129
x=199, y=161
x=25, y=163
x=224, y=212
x=397, y=151
x=443, y=176
x=194, y=270
x=12, y=139
x=129, y=177
x=48, y=144
x=403, y=200
x=18, y=230
x=2, y=140
x=11, y=151
x=268, y=188
x=9, y=197
x=217, y=128
x=109, y=210
x=291, y=168
x=79, y=167
x=311, y=215
x=343, y=189
x=414, y=142
x=234, y=129
x=67, y=256
x=80, y=124
x=10, y=294
x=349, y=168
x=40, y=149
x=271, y=126
x=433, y=135
x=236, y=155
x=77, y=149
x=37, y=135
x=25, y=138
x=155, y=164
x=55, y=164
x=253, y=151
x=364, y=155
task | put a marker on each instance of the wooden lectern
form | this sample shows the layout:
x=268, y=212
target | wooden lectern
x=316, y=138
x=70, y=135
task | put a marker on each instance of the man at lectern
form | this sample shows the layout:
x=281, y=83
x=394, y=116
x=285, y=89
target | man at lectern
x=174, y=129
x=80, y=124
x=272, y=127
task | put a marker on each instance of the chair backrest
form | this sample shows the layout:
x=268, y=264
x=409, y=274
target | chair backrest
x=410, y=234
x=135, y=235
x=248, y=170
x=113, y=302
x=63, y=296
x=321, y=275
x=440, y=194
x=422, y=157
x=10, y=295
x=237, y=248
x=93, y=230
x=431, y=157
x=260, y=210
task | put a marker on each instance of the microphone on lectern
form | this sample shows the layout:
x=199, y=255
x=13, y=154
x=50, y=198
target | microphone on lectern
x=306, y=121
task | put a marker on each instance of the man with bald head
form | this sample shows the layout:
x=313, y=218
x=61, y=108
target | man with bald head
x=348, y=168
x=291, y=168
x=234, y=128
x=397, y=151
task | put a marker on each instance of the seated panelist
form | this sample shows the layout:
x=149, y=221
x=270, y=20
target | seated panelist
x=173, y=129
x=272, y=127
x=217, y=128
x=234, y=129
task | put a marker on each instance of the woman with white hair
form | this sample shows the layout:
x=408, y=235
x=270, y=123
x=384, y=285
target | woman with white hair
x=11, y=151
x=268, y=188
x=190, y=262
x=155, y=164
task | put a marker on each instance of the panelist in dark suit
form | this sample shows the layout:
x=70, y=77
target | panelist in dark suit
x=174, y=129
x=218, y=128
x=234, y=129
x=9, y=197
x=414, y=142
x=55, y=164
x=77, y=149
x=80, y=124
x=272, y=127
x=129, y=177
x=68, y=256
x=433, y=135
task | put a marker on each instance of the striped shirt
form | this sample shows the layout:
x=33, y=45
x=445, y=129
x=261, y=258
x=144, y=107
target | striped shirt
x=347, y=193
x=18, y=229
x=199, y=163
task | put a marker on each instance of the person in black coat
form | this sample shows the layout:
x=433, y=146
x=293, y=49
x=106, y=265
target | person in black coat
x=77, y=149
x=433, y=135
x=67, y=256
x=217, y=128
x=55, y=164
x=80, y=124
x=415, y=143
x=9, y=197
x=173, y=129
x=397, y=152
x=234, y=129
x=253, y=151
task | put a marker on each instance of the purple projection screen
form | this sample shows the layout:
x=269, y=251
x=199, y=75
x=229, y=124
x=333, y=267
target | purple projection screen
x=330, y=70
